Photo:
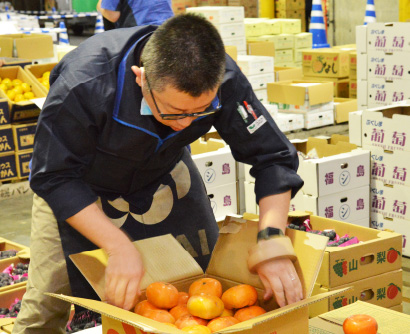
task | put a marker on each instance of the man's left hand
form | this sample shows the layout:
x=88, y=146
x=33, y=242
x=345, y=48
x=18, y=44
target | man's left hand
x=279, y=278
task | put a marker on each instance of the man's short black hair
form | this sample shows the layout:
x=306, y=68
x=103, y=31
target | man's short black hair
x=186, y=52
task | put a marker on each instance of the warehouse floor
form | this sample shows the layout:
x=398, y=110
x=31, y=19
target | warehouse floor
x=15, y=226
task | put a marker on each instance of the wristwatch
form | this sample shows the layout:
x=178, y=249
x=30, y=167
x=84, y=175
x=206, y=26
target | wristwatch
x=269, y=232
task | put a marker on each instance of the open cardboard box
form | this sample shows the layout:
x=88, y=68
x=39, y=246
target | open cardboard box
x=299, y=92
x=389, y=321
x=36, y=71
x=6, y=245
x=377, y=253
x=24, y=110
x=340, y=166
x=166, y=260
x=22, y=257
x=28, y=46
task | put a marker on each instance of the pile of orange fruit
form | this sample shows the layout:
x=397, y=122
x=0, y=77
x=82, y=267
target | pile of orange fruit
x=204, y=309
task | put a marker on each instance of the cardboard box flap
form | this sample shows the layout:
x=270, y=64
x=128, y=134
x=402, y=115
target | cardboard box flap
x=24, y=254
x=237, y=236
x=389, y=321
x=324, y=149
x=164, y=260
x=201, y=146
x=113, y=312
x=248, y=324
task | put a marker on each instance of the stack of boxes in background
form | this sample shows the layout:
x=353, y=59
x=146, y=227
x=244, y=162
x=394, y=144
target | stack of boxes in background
x=259, y=72
x=16, y=146
x=333, y=65
x=353, y=75
x=218, y=170
x=384, y=132
x=284, y=33
x=383, y=70
x=229, y=21
x=293, y=9
x=337, y=180
x=312, y=100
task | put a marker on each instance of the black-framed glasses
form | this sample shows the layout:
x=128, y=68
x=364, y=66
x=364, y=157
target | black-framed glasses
x=172, y=117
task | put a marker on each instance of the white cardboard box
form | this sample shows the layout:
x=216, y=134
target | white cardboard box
x=355, y=127
x=390, y=67
x=348, y=205
x=318, y=118
x=303, y=41
x=220, y=14
x=230, y=30
x=362, y=94
x=361, y=67
x=397, y=225
x=390, y=201
x=336, y=173
x=272, y=109
x=251, y=65
x=290, y=122
x=361, y=39
x=239, y=42
x=262, y=95
x=223, y=200
x=388, y=37
x=216, y=168
x=381, y=92
x=390, y=167
x=260, y=81
x=390, y=132
x=254, y=27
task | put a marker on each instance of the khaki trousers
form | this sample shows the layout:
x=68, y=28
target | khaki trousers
x=47, y=273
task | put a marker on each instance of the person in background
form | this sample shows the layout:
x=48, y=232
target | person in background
x=135, y=12
x=111, y=165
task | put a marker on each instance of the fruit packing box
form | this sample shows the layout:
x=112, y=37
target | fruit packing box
x=23, y=110
x=388, y=320
x=22, y=257
x=36, y=71
x=384, y=290
x=378, y=252
x=7, y=245
x=167, y=261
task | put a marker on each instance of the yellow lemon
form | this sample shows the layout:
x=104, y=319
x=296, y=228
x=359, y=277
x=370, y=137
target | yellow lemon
x=46, y=74
x=19, y=98
x=18, y=89
x=46, y=84
x=7, y=82
x=3, y=87
x=26, y=87
x=11, y=94
x=29, y=95
x=16, y=82
x=40, y=79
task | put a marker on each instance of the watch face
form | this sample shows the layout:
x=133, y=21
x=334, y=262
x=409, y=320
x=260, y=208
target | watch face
x=269, y=232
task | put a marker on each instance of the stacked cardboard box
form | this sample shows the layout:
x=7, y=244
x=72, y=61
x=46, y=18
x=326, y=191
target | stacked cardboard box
x=314, y=100
x=372, y=267
x=284, y=33
x=383, y=70
x=8, y=169
x=218, y=170
x=337, y=179
x=251, y=7
x=294, y=9
x=384, y=132
x=229, y=21
x=353, y=75
x=259, y=72
x=23, y=135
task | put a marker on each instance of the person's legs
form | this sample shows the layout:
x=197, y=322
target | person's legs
x=47, y=273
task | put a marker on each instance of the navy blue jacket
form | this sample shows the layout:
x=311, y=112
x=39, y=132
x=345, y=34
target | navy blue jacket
x=91, y=139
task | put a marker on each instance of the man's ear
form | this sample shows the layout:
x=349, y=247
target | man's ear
x=139, y=74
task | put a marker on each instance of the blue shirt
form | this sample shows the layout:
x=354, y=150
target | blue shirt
x=139, y=12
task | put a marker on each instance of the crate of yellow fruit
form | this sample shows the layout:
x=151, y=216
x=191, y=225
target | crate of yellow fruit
x=20, y=89
x=41, y=73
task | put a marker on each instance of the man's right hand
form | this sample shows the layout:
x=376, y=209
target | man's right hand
x=123, y=275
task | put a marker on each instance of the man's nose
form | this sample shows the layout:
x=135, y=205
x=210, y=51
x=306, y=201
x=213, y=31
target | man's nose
x=185, y=122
